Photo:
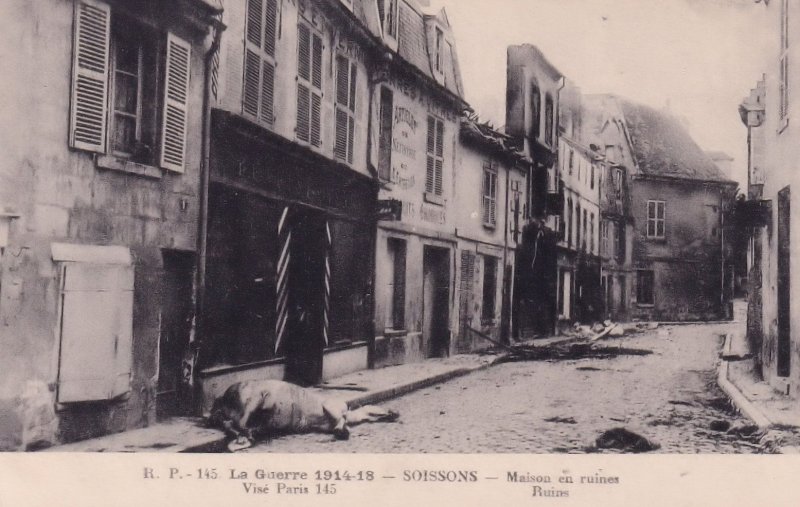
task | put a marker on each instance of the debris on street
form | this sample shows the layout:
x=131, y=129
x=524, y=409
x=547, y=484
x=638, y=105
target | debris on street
x=625, y=440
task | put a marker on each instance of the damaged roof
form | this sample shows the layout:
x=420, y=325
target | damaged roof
x=662, y=147
x=487, y=137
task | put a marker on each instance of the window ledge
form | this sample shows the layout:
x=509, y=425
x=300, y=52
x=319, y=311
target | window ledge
x=113, y=163
x=490, y=226
x=391, y=333
x=646, y=305
x=434, y=199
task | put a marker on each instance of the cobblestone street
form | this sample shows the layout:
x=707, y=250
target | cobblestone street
x=670, y=397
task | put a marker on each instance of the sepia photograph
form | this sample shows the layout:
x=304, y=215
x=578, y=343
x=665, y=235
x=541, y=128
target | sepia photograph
x=544, y=227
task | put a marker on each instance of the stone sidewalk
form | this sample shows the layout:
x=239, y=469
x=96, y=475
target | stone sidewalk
x=357, y=389
x=761, y=402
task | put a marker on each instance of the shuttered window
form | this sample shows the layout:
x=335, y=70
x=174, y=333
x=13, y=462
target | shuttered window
x=309, y=85
x=435, y=158
x=259, y=60
x=90, y=76
x=118, y=106
x=176, y=98
x=96, y=331
x=346, y=83
x=489, y=195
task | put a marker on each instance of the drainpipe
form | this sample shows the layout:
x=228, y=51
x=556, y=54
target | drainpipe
x=202, y=243
x=505, y=316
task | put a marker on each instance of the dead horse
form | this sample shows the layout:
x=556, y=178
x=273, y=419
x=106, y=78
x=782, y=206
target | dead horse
x=263, y=408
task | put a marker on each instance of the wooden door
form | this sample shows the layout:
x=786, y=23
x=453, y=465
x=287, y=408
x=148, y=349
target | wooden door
x=784, y=285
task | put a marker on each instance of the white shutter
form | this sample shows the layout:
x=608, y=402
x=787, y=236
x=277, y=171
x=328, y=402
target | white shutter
x=88, y=121
x=176, y=93
x=96, y=332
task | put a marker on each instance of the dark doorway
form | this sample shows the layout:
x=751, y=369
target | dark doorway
x=175, y=361
x=784, y=286
x=304, y=339
x=436, y=302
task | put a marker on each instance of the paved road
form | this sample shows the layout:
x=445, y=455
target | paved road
x=669, y=396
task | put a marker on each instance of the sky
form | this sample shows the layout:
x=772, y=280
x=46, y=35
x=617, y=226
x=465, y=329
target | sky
x=698, y=57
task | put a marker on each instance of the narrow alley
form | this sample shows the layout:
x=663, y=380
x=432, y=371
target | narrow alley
x=669, y=397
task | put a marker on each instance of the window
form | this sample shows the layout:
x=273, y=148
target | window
x=568, y=227
x=591, y=233
x=644, y=287
x=396, y=294
x=435, y=149
x=96, y=322
x=604, y=238
x=489, y=195
x=387, y=9
x=592, y=178
x=439, y=63
x=585, y=232
x=259, y=60
x=655, y=219
x=618, y=183
x=784, y=65
x=385, y=135
x=577, y=226
x=571, y=161
x=548, y=119
x=536, y=108
x=346, y=72
x=309, y=85
x=489, y=288
x=116, y=91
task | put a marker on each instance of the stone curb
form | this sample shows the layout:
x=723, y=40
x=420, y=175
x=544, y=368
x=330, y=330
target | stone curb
x=736, y=396
x=370, y=398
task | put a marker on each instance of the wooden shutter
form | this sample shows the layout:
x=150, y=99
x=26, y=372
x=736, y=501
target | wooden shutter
x=259, y=65
x=176, y=92
x=88, y=121
x=439, y=157
x=342, y=120
x=303, y=112
x=316, y=119
x=345, y=109
x=96, y=332
x=304, y=52
x=316, y=61
x=431, y=147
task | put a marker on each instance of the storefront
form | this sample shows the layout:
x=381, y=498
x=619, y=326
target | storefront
x=289, y=265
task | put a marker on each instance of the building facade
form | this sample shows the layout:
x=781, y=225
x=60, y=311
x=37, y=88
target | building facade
x=679, y=200
x=100, y=199
x=418, y=101
x=489, y=199
x=290, y=226
x=774, y=316
x=579, y=179
x=532, y=104
x=602, y=128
